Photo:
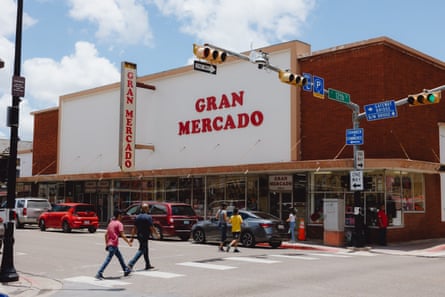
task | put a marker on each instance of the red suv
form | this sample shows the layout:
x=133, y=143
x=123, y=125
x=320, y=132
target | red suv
x=171, y=219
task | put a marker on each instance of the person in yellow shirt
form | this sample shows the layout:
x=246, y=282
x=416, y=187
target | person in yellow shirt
x=236, y=220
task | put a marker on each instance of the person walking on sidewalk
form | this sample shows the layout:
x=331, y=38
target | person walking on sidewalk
x=383, y=224
x=143, y=227
x=115, y=229
x=221, y=216
x=236, y=220
x=291, y=221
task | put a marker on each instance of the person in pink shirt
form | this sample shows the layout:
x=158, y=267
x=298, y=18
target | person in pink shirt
x=115, y=229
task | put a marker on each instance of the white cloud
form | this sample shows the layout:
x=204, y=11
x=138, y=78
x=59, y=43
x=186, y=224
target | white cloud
x=47, y=79
x=9, y=17
x=236, y=23
x=123, y=21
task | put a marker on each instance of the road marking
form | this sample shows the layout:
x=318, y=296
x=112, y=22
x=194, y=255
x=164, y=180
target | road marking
x=300, y=257
x=206, y=265
x=158, y=274
x=109, y=283
x=252, y=260
x=330, y=255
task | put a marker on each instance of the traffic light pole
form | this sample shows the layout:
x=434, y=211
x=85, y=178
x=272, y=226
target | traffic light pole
x=7, y=271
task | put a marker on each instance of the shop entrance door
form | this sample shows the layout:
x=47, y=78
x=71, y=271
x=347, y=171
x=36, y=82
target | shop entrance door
x=280, y=204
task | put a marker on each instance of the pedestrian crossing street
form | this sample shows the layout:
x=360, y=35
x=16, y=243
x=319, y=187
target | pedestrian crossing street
x=222, y=263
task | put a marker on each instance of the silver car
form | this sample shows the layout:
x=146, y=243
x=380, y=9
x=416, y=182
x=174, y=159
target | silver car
x=28, y=209
x=257, y=227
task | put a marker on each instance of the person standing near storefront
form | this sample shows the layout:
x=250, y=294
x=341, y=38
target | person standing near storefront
x=236, y=220
x=383, y=224
x=115, y=229
x=221, y=216
x=143, y=228
x=291, y=221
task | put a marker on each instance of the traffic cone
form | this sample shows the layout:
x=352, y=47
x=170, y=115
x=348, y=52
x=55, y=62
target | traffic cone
x=301, y=231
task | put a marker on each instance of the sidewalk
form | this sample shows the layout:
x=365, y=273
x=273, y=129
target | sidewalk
x=30, y=285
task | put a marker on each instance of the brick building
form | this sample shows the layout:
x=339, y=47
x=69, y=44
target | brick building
x=261, y=144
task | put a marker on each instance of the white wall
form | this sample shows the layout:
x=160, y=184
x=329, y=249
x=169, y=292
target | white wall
x=90, y=125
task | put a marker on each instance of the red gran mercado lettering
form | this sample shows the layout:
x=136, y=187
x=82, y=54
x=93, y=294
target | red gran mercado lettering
x=212, y=103
x=129, y=122
x=221, y=123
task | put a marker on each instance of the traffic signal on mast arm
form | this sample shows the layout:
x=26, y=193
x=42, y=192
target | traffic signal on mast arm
x=209, y=54
x=291, y=78
x=424, y=98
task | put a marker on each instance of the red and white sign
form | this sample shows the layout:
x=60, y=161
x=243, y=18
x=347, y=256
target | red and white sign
x=127, y=116
x=280, y=183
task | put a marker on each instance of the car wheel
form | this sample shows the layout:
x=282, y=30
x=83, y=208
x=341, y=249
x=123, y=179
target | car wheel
x=42, y=225
x=199, y=236
x=91, y=229
x=247, y=239
x=275, y=244
x=66, y=227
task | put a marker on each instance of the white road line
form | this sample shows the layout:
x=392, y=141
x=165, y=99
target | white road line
x=109, y=283
x=296, y=257
x=206, y=265
x=158, y=274
x=252, y=260
x=330, y=255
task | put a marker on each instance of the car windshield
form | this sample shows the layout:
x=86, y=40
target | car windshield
x=183, y=210
x=264, y=215
x=85, y=208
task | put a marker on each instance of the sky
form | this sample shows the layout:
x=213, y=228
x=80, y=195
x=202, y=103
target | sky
x=73, y=45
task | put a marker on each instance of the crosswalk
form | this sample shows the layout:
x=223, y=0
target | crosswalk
x=218, y=264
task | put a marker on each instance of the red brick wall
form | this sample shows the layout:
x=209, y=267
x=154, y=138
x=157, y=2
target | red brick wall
x=372, y=74
x=45, y=142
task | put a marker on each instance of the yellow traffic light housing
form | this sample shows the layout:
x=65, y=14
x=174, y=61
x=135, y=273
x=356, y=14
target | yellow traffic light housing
x=291, y=78
x=424, y=98
x=209, y=54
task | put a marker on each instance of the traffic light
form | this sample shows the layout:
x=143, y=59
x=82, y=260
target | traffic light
x=209, y=54
x=424, y=98
x=291, y=78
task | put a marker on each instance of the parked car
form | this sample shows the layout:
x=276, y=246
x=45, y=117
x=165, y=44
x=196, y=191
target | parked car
x=257, y=227
x=171, y=219
x=68, y=216
x=28, y=209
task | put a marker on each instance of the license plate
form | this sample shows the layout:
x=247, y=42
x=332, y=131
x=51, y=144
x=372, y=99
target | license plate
x=281, y=227
x=186, y=222
x=86, y=222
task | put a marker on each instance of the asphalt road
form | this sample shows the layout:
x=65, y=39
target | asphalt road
x=185, y=269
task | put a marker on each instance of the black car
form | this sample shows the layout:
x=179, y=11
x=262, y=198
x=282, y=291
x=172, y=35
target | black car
x=257, y=227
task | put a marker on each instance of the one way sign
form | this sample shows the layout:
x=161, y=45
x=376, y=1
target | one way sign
x=356, y=178
x=204, y=67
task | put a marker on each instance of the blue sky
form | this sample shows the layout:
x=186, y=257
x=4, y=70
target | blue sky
x=72, y=45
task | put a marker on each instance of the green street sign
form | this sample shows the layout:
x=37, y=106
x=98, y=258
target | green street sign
x=339, y=96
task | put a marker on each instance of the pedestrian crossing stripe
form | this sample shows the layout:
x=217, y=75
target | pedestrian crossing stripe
x=206, y=265
x=108, y=283
x=159, y=274
x=330, y=255
x=252, y=260
x=301, y=257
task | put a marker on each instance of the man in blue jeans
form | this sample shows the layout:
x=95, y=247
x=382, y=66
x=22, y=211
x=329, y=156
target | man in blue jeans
x=143, y=227
x=115, y=229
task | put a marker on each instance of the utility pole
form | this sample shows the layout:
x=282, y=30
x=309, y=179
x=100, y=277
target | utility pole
x=7, y=271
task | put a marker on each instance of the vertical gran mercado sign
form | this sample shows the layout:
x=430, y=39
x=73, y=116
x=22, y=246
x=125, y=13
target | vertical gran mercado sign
x=127, y=133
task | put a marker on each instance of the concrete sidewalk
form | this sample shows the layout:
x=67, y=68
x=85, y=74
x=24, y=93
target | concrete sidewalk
x=30, y=285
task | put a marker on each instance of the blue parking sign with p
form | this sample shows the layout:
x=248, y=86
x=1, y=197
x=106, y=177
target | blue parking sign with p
x=308, y=86
x=318, y=88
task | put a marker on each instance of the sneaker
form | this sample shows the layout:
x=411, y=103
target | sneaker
x=149, y=267
x=221, y=249
x=127, y=271
x=236, y=251
x=99, y=276
x=228, y=249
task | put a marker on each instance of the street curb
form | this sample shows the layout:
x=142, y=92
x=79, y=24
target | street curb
x=30, y=286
